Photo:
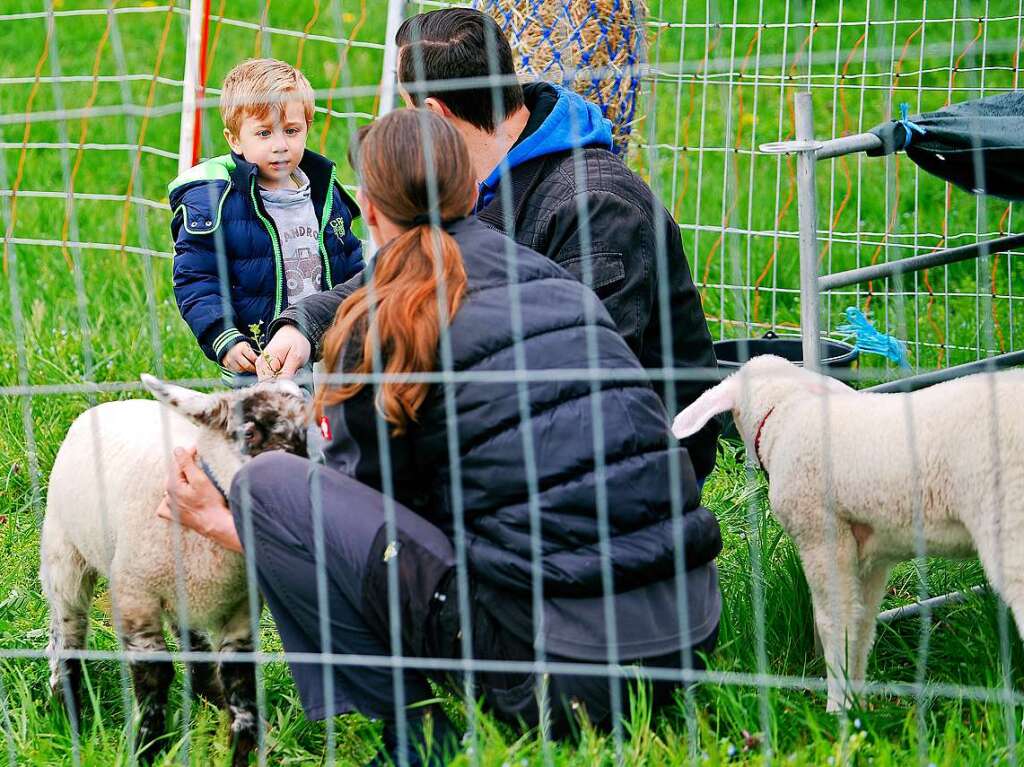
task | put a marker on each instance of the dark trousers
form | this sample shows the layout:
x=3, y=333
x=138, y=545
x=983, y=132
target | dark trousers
x=311, y=560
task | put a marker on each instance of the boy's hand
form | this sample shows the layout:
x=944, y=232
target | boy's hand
x=284, y=354
x=240, y=358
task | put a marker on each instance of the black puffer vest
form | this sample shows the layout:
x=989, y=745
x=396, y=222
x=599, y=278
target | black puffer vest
x=574, y=453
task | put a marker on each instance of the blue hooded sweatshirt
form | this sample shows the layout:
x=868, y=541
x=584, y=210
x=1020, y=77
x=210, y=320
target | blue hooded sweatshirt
x=566, y=121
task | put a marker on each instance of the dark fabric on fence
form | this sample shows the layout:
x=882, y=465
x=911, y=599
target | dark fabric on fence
x=977, y=145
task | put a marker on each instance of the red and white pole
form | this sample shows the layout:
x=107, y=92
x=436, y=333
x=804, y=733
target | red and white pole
x=194, y=84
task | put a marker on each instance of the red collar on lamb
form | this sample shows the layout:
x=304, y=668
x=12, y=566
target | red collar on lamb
x=757, y=437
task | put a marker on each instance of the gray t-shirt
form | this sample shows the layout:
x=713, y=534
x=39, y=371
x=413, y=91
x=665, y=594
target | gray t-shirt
x=295, y=218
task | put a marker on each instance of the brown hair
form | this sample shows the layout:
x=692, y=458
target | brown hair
x=256, y=87
x=412, y=271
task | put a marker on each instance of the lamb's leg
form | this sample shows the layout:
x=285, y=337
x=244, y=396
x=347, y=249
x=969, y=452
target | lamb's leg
x=68, y=583
x=238, y=678
x=203, y=674
x=833, y=577
x=143, y=632
x=999, y=539
x=873, y=581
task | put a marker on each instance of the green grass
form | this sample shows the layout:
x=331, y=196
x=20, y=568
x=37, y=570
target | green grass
x=126, y=323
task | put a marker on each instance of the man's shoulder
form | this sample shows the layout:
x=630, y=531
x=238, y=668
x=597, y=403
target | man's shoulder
x=595, y=171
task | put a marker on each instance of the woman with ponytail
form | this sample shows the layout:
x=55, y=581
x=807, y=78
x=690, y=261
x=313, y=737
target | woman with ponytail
x=484, y=496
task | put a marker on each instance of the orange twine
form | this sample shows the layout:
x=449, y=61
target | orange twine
x=791, y=174
x=20, y=174
x=144, y=126
x=305, y=33
x=736, y=159
x=82, y=134
x=342, y=61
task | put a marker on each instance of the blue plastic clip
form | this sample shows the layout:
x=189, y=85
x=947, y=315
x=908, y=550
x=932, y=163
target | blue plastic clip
x=871, y=340
x=909, y=127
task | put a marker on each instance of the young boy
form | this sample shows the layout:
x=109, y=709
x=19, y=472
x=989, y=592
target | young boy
x=258, y=229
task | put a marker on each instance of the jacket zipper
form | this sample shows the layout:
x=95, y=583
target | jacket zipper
x=326, y=216
x=278, y=256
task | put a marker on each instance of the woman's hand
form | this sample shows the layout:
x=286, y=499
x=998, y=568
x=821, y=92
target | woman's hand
x=284, y=354
x=193, y=501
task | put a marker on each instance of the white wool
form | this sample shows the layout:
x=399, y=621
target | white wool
x=107, y=481
x=857, y=478
x=101, y=519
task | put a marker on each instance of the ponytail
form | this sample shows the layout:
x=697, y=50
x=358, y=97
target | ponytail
x=409, y=281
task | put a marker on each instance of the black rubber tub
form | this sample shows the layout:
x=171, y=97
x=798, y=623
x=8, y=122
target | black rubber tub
x=835, y=355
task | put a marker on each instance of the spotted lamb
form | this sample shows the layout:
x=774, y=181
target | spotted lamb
x=107, y=481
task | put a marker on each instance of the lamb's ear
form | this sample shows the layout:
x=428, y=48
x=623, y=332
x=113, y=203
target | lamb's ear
x=203, y=409
x=715, y=400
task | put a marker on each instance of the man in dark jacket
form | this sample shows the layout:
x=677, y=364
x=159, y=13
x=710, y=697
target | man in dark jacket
x=549, y=180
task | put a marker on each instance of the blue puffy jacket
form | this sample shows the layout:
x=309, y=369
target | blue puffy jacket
x=217, y=208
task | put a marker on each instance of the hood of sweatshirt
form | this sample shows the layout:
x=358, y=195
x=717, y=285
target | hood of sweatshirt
x=560, y=120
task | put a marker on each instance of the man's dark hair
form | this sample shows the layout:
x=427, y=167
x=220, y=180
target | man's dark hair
x=452, y=43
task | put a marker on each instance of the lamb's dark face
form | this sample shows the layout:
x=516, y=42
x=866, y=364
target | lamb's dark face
x=268, y=416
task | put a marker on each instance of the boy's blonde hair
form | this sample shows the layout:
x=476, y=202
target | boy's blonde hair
x=257, y=86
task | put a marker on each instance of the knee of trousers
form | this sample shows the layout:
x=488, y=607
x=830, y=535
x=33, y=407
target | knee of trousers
x=268, y=486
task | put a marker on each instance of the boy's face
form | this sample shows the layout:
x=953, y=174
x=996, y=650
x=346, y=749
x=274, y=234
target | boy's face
x=274, y=143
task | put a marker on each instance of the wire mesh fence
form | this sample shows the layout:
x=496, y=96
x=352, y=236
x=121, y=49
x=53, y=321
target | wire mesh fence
x=89, y=129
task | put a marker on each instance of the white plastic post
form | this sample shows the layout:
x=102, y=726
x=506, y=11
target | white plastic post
x=389, y=73
x=198, y=14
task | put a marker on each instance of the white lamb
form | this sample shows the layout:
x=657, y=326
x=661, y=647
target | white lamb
x=856, y=478
x=106, y=484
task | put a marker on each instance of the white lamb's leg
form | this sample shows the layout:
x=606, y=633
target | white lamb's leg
x=68, y=583
x=873, y=581
x=1003, y=568
x=833, y=577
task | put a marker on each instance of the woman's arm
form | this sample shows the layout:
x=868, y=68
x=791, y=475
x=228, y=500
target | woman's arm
x=193, y=501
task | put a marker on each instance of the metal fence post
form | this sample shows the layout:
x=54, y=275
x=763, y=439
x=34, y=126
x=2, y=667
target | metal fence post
x=807, y=211
x=389, y=70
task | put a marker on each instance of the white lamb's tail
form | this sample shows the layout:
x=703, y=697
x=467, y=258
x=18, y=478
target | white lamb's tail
x=68, y=583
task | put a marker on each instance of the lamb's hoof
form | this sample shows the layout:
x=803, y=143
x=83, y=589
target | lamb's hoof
x=244, y=737
x=243, y=746
x=837, y=705
x=152, y=745
x=70, y=705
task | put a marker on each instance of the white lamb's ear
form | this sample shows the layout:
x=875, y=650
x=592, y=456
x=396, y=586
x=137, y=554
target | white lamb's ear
x=203, y=409
x=715, y=400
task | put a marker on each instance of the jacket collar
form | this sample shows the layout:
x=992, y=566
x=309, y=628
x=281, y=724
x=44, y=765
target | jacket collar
x=560, y=121
x=524, y=178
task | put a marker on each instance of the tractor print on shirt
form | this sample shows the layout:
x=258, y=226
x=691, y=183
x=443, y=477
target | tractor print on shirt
x=303, y=265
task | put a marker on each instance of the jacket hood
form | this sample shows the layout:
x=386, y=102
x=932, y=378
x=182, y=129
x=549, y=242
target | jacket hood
x=213, y=179
x=216, y=169
x=572, y=123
